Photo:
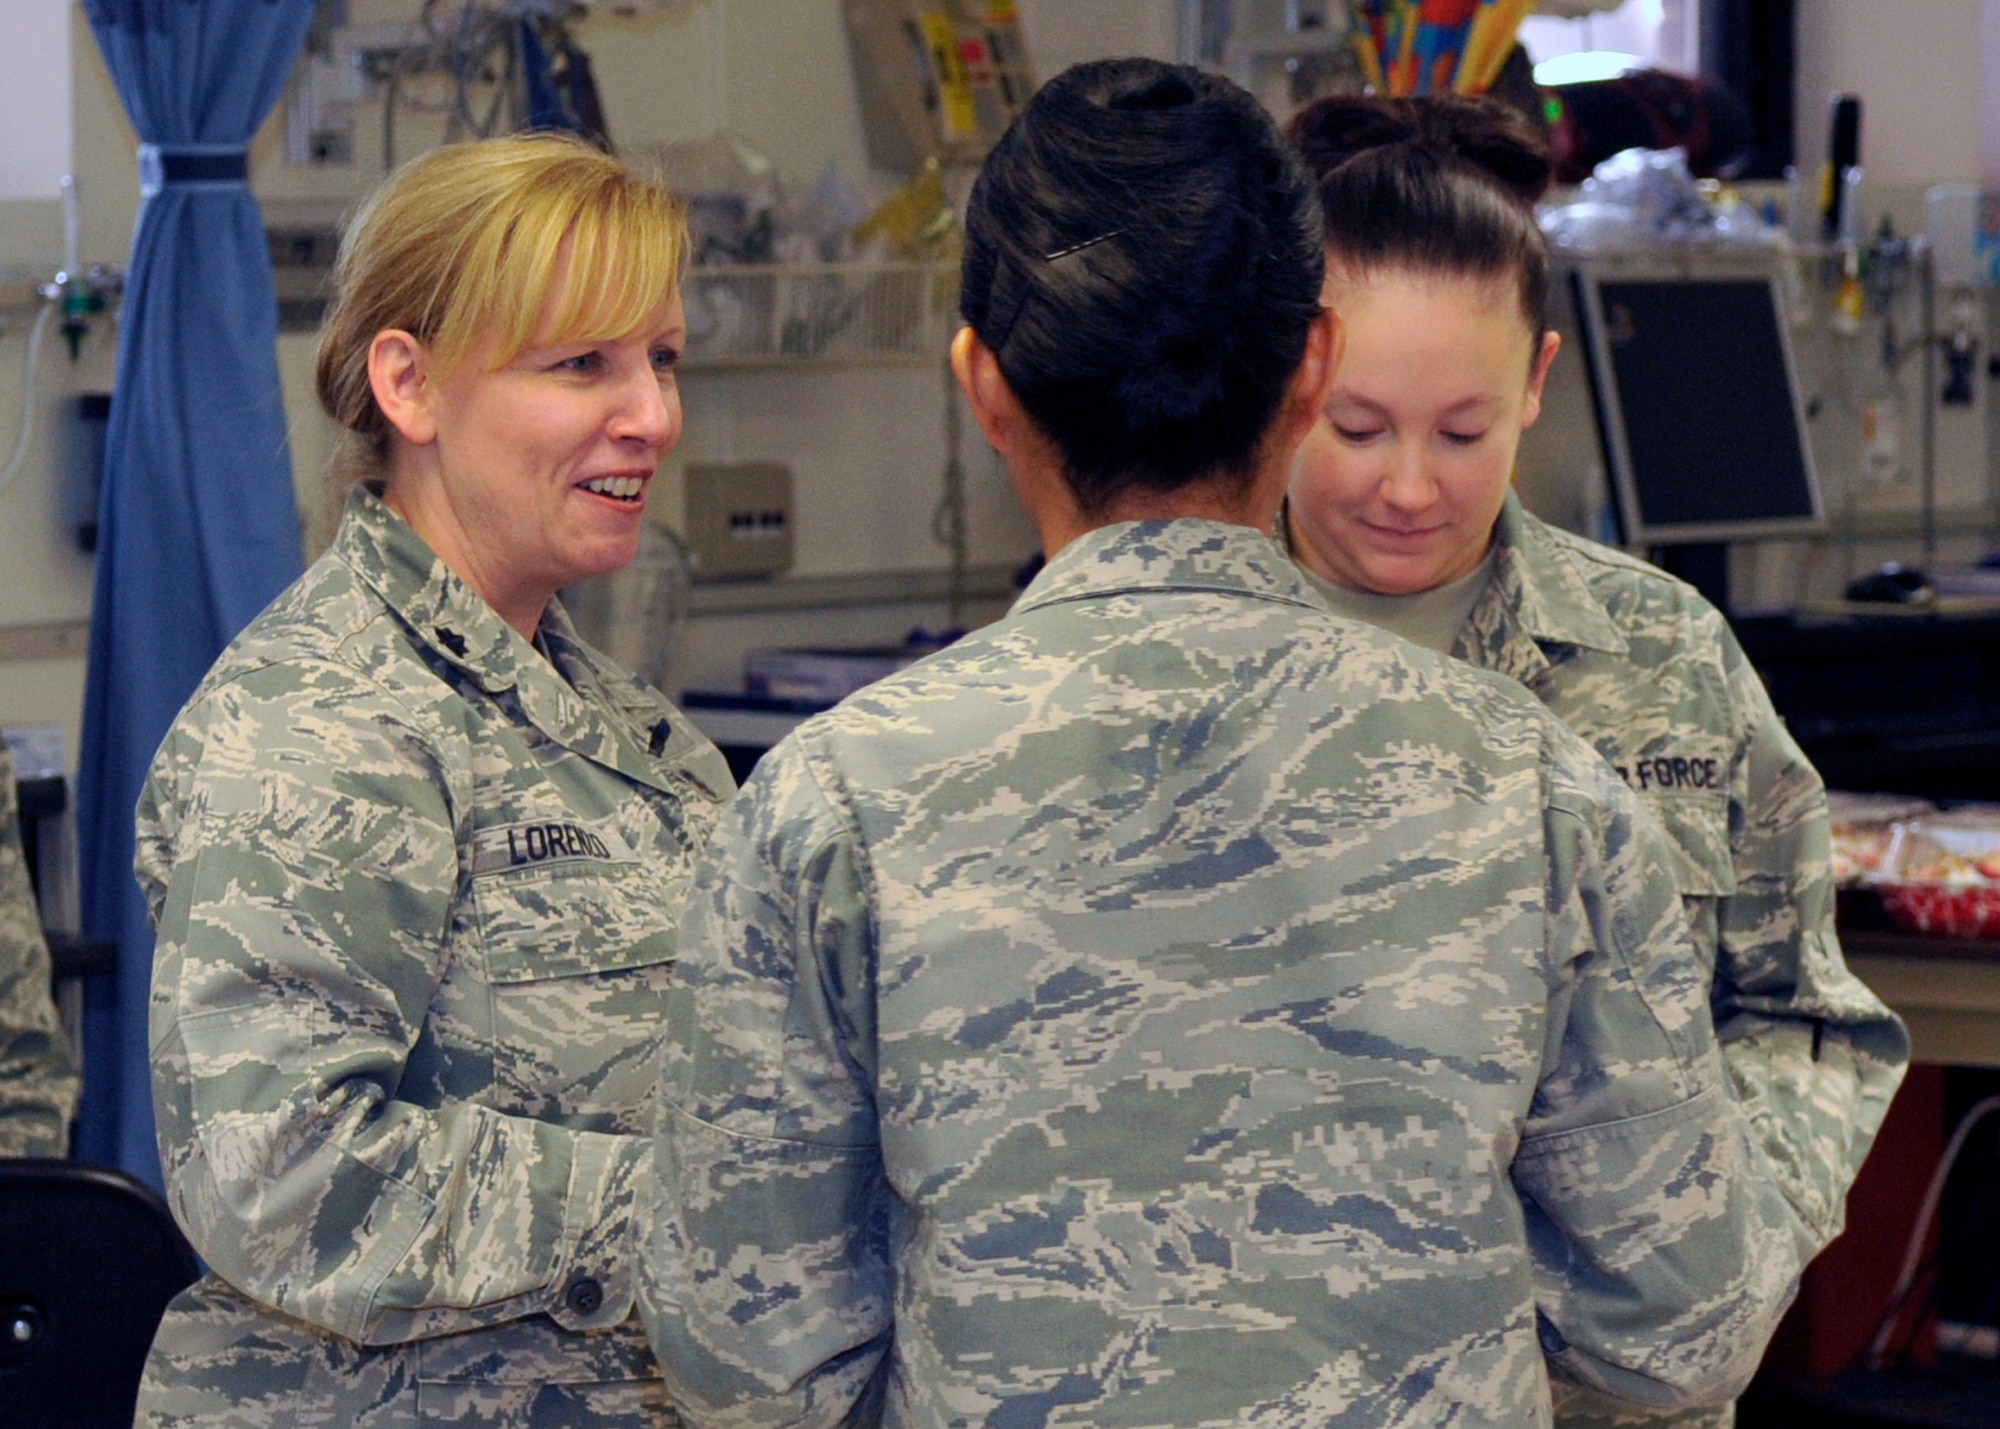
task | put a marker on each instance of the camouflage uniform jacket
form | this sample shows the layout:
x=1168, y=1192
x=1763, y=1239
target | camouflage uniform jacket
x=37, y=1082
x=415, y=894
x=1647, y=671
x=1173, y=1005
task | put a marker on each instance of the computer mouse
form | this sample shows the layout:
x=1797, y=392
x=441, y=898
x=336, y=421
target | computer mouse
x=1895, y=584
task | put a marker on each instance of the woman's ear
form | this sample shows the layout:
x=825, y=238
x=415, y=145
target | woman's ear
x=1312, y=384
x=399, y=373
x=1538, y=375
x=994, y=405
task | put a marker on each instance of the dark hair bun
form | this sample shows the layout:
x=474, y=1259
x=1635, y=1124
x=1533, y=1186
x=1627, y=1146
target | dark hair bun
x=1144, y=256
x=1167, y=91
x=1492, y=137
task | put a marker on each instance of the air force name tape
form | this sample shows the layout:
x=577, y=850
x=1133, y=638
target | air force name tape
x=527, y=845
x=1662, y=772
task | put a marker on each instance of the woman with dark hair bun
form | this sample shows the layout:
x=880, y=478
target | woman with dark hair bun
x=1148, y=322
x=1402, y=512
x=1171, y=1005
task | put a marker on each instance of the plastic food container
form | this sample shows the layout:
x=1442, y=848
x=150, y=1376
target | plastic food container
x=1863, y=826
x=1941, y=874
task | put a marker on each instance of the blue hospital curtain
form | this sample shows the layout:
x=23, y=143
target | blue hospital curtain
x=197, y=529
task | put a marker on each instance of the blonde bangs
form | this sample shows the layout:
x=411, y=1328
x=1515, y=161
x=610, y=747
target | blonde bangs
x=490, y=247
x=590, y=255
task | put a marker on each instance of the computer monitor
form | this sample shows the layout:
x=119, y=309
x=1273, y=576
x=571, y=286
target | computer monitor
x=1697, y=400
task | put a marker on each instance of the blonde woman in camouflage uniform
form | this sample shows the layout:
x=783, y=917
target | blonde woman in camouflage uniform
x=415, y=851
x=1402, y=513
x=37, y=1082
x=1172, y=1005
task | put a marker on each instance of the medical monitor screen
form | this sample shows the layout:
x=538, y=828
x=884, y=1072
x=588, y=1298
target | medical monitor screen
x=1698, y=408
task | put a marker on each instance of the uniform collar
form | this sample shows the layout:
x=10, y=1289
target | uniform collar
x=444, y=613
x=602, y=712
x=1537, y=597
x=590, y=707
x=1184, y=554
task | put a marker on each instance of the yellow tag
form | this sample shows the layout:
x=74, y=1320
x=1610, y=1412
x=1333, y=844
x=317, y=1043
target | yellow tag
x=955, y=108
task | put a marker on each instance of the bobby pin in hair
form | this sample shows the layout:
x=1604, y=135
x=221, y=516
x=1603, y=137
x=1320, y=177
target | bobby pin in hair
x=1079, y=247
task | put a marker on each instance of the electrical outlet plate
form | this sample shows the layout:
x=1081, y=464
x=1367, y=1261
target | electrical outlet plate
x=739, y=519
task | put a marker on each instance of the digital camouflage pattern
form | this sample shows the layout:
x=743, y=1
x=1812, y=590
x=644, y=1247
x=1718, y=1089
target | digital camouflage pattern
x=1647, y=671
x=37, y=1081
x=415, y=896
x=1173, y=1005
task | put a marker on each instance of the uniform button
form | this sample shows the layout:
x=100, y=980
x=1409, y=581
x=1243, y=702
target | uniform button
x=584, y=1296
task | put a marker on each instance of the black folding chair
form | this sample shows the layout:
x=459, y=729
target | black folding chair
x=89, y=1258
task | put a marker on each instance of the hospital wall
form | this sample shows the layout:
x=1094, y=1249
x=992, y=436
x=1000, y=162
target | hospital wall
x=867, y=445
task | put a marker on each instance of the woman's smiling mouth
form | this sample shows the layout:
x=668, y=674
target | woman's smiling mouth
x=618, y=488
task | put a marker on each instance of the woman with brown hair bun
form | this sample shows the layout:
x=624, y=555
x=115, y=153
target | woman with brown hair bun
x=1402, y=511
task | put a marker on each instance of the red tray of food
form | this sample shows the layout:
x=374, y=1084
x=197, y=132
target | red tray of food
x=1941, y=874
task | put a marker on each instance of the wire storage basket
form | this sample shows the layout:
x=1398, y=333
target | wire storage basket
x=767, y=314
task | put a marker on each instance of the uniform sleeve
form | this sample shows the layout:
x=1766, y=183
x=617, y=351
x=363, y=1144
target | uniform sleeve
x=298, y=846
x=1663, y=1252
x=767, y=1285
x=37, y=1080
x=1813, y=1055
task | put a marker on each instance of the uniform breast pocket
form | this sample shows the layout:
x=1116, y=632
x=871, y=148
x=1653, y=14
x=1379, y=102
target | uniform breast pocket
x=578, y=961
x=1697, y=828
x=1697, y=825
x=1685, y=783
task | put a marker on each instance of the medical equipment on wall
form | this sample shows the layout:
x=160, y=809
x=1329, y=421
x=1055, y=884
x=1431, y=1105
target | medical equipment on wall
x=1697, y=396
x=76, y=294
x=936, y=78
x=474, y=67
x=1290, y=52
x=1286, y=52
x=29, y=369
x=1963, y=222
